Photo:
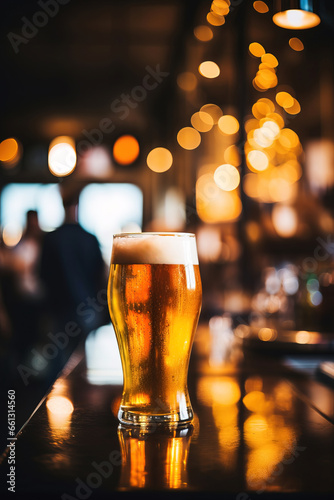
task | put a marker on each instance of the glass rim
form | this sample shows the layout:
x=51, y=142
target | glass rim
x=154, y=233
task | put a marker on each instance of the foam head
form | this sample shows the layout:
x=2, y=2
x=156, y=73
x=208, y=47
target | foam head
x=151, y=248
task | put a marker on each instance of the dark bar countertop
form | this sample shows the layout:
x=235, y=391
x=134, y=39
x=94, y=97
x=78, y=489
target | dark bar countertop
x=262, y=429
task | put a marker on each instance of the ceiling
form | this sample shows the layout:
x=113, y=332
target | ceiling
x=66, y=76
x=83, y=59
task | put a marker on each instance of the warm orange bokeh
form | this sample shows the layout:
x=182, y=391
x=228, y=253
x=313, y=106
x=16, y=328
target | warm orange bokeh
x=126, y=150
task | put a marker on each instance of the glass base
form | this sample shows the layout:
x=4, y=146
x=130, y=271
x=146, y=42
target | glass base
x=131, y=418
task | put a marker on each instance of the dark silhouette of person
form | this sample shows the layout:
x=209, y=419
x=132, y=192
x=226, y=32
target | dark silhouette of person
x=75, y=279
x=22, y=318
x=23, y=295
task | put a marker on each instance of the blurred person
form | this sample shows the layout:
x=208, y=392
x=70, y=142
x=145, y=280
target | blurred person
x=5, y=337
x=21, y=318
x=75, y=279
x=5, y=323
x=27, y=255
x=22, y=288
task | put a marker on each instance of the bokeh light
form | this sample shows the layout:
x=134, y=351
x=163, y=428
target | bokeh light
x=254, y=383
x=187, y=81
x=291, y=171
x=209, y=243
x=62, y=157
x=262, y=137
x=254, y=401
x=288, y=138
x=220, y=390
x=297, y=19
x=279, y=190
x=262, y=108
x=203, y=33
x=253, y=231
x=261, y=7
x=251, y=124
x=272, y=128
x=228, y=125
x=284, y=99
x=189, y=138
x=315, y=298
x=159, y=160
x=209, y=69
x=267, y=334
x=285, y=220
x=257, y=86
x=221, y=3
x=232, y=155
x=266, y=78
x=126, y=150
x=220, y=7
x=250, y=185
x=269, y=60
x=256, y=49
x=294, y=109
x=59, y=405
x=213, y=204
x=8, y=150
x=303, y=337
x=275, y=117
x=214, y=19
x=95, y=162
x=257, y=160
x=227, y=177
x=11, y=235
x=213, y=110
x=59, y=412
x=202, y=121
x=296, y=44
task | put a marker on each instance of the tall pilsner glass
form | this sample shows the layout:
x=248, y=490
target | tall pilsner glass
x=155, y=297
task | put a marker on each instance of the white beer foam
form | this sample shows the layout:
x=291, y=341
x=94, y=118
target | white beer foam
x=154, y=249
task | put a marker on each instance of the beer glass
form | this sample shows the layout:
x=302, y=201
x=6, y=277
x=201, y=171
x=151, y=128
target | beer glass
x=154, y=297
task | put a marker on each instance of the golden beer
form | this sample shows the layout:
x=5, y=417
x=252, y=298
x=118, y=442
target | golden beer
x=154, y=460
x=154, y=308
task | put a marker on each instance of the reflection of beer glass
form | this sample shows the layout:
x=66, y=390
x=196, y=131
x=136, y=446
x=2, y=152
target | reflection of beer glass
x=154, y=461
x=155, y=297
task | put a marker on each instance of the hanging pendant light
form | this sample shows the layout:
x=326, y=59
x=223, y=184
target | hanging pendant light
x=296, y=14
